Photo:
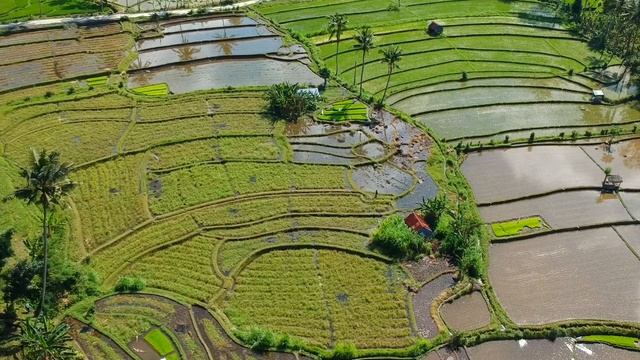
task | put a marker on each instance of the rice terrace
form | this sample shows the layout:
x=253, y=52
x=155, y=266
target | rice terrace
x=320, y=179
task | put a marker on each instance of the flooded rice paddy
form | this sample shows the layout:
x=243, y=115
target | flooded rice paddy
x=498, y=175
x=562, y=210
x=577, y=275
x=422, y=304
x=482, y=121
x=560, y=349
x=467, y=312
x=219, y=52
x=623, y=158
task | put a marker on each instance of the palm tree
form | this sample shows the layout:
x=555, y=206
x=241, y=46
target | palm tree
x=40, y=340
x=391, y=55
x=47, y=184
x=364, y=40
x=337, y=25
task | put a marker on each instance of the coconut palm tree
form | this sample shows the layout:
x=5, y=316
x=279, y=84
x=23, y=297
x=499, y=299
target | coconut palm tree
x=391, y=55
x=364, y=42
x=337, y=25
x=40, y=340
x=47, y=183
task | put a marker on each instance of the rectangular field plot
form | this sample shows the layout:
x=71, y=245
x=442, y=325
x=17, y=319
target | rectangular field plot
x=328, y=296
x=562, y=210
x=110, y=199
x=497, y=175
x=489, y=120
x=587, y=274
x=631, y=235
x=623, y=158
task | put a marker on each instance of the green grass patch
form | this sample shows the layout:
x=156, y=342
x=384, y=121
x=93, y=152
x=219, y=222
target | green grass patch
x=515, y=227
x=161, y=89
x=97, y=81
x=13, y=10
x=346, y=110
x=625, y=342
x=160, y=342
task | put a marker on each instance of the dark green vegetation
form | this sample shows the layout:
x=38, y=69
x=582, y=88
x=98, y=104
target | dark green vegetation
x=396, y=238
x=18, y=10
x=289, y=101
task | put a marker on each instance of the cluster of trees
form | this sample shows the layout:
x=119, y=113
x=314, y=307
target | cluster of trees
x=612, y=29
x=396, y=239
x=41, y=282
x=459, y=230
x=365, y=41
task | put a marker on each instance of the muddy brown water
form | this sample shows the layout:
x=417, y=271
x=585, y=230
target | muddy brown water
x=562, y=210
x=334, y=136
x=467, y=312
x=143, y=350
x=427, y=268
x=383, y=179
x=422, y=304
x=560, y=349
x=446, y=353
x=424, y=189
x=623, y=158
x=497, y=175
x=215, y=74
x=373, y=150
x=575, y=275
x=631, y=235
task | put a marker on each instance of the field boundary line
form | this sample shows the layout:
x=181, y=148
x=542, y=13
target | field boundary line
x=564, y=230
x=552, y=192
x=633, y=251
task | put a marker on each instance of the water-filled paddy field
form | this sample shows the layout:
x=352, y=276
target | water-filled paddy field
x=221, y=52
x=496, y=68
x=562, y=348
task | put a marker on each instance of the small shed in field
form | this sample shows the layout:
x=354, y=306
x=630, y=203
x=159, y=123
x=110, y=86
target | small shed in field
x=597, y=97
x=611, y=183
x=435, y=29
x=418, y=224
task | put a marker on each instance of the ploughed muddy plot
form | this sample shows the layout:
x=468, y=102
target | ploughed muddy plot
x=422, y=303
x=567, y=276
x=623, y=158
x=467, y=312
x=631, y=235
x=562, y=210
x=498, y=175
x=561, y=348
x=200, y=54
x=57, y=54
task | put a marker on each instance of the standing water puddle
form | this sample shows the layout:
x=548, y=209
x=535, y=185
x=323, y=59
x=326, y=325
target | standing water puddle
x=422, y=304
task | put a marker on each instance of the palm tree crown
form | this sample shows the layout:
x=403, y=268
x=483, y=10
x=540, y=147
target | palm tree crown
x=337, y=25
x=364, y=42
x=47, y=183
x=41, y=340
x=47, y=180
x=391, y=55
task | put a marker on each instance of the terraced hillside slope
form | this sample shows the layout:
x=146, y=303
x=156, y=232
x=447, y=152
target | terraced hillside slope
x=499, y=68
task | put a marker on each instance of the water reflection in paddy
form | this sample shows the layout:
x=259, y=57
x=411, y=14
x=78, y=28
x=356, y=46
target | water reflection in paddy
x=204, y=36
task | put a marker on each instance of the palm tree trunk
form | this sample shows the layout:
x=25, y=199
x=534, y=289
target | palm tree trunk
x=45, y=233
x=384, y=95
x=337, y=51
x=362, y=71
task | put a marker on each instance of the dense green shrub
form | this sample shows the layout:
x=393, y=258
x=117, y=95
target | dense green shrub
x=130, y=284
x=286, y=101
x=395, y=238
x=344, y=351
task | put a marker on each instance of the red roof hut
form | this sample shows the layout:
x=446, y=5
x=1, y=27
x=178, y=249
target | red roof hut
x=418, y=224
